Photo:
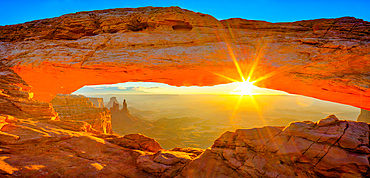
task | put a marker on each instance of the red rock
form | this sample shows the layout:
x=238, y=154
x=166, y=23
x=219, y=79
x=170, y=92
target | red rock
x=98, y=102
x=80, y=108
x=330, y=148
x=324, y=58
x=16, y=98
x=136, y=141
x=328, y=64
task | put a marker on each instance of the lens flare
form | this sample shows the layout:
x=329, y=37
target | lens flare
x=244, y=88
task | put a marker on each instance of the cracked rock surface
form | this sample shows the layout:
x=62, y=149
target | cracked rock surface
x=329, y=148
x=47, y=149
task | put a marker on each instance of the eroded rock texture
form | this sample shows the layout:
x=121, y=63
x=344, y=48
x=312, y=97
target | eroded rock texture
x=327, y=148
x=98, y=102
x=16, y=98
x=324, y=58
x=80, y=108
x=46, y=148
x=36, y=144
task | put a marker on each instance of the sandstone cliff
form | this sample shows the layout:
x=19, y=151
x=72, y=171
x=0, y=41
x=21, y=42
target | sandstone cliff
x=16, y=98
x=80, y=108
x=324, y=58
x=98, y=102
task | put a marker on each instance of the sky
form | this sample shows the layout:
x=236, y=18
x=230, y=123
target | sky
x=20, y=11
x=160, y=88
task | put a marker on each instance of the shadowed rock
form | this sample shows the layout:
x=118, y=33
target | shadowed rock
x=364, y=116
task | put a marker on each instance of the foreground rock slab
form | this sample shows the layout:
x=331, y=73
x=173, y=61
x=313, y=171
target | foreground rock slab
x=48, y=148
x=327, y=148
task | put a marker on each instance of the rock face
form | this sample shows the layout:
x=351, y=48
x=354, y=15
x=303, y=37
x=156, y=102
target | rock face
x=328, y=148
x=80, y=108
x=364, y=116
x=98, y=102
x=34, y=142
x=324, y=58
x=16, y=98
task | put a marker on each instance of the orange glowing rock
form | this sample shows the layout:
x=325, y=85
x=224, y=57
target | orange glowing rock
x=325, y=58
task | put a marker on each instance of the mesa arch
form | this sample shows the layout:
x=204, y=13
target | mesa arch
x=325, y=58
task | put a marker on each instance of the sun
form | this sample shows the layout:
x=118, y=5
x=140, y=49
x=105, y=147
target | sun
x=244, y=88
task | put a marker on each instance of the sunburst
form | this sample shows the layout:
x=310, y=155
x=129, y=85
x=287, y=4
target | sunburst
x=245, y=88
x=245, y=84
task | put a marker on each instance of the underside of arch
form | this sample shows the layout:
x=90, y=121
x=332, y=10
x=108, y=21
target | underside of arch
x=325, y=58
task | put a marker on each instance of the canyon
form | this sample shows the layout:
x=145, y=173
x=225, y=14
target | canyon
x=43, y=134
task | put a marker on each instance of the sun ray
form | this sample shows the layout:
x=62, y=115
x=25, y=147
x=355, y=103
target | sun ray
x=235, y=110
x=271, y=74
x=258, y=109
x=231, y=79
x=232, y=55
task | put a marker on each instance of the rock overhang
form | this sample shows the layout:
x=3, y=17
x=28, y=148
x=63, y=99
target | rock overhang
x=325, y=58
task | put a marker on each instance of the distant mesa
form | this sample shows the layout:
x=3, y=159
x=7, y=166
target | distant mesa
x=111, y=102
x=122, y=121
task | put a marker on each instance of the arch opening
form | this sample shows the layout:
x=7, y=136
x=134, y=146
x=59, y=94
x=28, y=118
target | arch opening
x=196, y=116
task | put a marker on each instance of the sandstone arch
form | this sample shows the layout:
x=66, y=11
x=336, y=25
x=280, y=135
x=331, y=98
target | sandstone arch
x=325, y=58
